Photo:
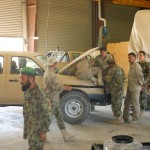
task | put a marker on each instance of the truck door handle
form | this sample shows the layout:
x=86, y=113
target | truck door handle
x=13, y=80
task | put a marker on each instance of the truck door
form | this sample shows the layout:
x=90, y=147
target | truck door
x=14, y=93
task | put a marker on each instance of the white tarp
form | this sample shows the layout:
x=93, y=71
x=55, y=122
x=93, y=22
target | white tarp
x=140, y=34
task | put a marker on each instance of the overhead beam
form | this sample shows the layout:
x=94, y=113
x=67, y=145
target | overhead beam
x=137, y=3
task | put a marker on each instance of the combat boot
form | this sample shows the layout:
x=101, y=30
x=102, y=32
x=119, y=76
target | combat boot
x=66, y=136
x=118, y=120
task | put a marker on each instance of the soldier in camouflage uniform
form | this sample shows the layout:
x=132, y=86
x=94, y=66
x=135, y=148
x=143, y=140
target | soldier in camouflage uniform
x=36, y=110
x=101, y=61
x=53, y=89
x=145, y=70
x=115, y=79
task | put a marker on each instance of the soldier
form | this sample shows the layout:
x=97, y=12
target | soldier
x=101, y=61
x=36, y=110
x=115, y=80
x=53, y=88
x=84, y=69
x=145, y=69
x=135, y=82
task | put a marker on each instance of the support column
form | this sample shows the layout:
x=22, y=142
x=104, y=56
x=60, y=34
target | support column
x=31, y=9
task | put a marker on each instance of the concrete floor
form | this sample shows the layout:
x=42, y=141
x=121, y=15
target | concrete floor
x=95, y=129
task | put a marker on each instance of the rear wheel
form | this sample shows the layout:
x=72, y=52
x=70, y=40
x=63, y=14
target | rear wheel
x=75, y=106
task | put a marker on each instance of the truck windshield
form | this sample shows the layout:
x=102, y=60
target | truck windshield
x=60, y=55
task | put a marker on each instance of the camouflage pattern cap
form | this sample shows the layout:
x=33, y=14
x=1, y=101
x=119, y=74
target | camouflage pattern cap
x=28, y=71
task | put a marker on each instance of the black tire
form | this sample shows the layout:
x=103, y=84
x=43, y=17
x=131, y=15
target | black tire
x=75, y=107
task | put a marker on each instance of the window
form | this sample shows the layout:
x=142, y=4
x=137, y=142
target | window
x=20, y=62
x=14, y=68
x=60, y=55
x=1, y=64
x=75, y=55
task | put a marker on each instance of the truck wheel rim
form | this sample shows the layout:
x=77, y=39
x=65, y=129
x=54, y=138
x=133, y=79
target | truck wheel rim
x=74, y=108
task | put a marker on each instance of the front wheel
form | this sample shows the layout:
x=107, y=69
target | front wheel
x=75, y=107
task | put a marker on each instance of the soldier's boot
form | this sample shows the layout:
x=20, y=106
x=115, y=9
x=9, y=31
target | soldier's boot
x=118, y=120
x=66, y=136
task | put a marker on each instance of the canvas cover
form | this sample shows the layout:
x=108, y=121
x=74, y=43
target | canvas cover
x=140, y=34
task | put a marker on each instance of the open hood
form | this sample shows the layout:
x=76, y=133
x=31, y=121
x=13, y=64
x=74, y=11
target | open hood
x=78, y=58
x=140, y=34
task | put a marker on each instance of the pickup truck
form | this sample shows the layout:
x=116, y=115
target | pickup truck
x=75, y=104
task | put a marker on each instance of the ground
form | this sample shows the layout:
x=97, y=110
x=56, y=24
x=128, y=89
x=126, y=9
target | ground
x=96, y=129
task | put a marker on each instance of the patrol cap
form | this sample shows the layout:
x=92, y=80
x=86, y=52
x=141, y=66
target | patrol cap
x=51, y=61
x=28, y=71
x=103, y=48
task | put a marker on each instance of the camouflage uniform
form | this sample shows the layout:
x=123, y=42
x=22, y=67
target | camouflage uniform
x=36, y=112
x=143, y=94
x=102, y=63
x=115, y=79
x=53, y=88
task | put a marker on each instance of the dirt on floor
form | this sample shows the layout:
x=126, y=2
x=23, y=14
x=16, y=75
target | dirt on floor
x=96, y=129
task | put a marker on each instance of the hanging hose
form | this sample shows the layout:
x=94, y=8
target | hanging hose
x=103, y=31
x=47, y=25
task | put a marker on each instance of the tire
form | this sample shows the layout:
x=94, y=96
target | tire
x=75, y=107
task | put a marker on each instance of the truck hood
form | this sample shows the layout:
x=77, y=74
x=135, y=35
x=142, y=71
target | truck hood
x=78, y=58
